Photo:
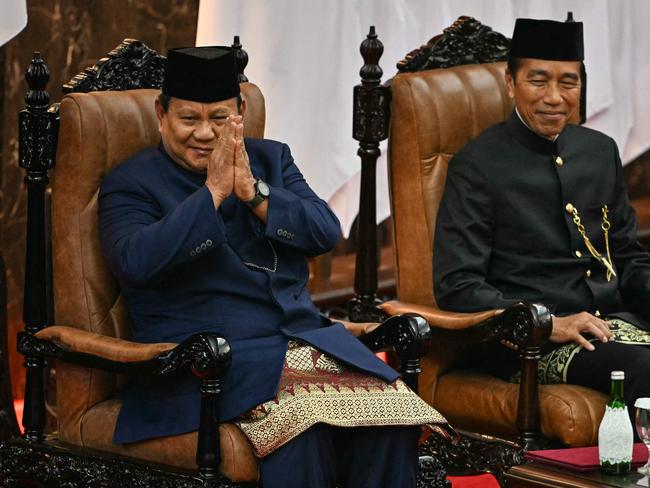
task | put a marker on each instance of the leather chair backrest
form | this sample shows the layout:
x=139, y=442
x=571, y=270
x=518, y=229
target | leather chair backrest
x=433, y=114
x=97, y=131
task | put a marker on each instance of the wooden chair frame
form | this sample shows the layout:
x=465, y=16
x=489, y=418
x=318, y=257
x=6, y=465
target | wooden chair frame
x=40, y=458
x=526, y=326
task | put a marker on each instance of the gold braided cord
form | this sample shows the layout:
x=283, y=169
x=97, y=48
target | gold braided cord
x=607, y=262
x=606, y=225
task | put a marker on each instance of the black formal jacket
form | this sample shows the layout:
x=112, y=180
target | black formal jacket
x=504, y=233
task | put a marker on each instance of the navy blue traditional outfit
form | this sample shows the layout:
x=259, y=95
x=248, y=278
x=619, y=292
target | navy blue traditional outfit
x=186, y=268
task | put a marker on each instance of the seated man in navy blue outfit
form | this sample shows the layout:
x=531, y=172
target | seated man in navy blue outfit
x=209, y=232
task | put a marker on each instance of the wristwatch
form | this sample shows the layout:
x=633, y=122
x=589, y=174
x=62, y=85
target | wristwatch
x=262, y=192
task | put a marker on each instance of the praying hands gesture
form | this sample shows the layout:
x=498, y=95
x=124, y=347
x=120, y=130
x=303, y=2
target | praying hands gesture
x=244, y=181
x=229, y=168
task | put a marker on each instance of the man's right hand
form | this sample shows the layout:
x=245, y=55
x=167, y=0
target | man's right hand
x=221, y=166
x=569, y=328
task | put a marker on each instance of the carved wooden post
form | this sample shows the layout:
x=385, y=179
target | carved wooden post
x=241, y=58
x=8, y=425
x=530, y=333
x=38, y=130
x=211, y=356
x=369, y=126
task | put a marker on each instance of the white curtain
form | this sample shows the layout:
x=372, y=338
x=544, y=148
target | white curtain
x=13, y=18
x=304, y=55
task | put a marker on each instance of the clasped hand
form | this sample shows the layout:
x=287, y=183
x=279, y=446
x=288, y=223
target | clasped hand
x=228, y=168
x=570, y=328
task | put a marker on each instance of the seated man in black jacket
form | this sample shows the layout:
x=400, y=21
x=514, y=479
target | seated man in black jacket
x=535, y=209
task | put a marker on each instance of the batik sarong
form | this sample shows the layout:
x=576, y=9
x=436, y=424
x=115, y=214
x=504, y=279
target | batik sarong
x=315, y=388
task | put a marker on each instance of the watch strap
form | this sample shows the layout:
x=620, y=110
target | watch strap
x=258, y=198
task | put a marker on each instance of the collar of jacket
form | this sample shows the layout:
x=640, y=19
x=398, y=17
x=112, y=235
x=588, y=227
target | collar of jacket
x=196, y=178
x=532, y=141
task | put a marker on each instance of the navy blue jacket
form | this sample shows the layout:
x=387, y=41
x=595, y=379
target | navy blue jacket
x=182, y=269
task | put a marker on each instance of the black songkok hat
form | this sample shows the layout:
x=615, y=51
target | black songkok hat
x=547, y=39
x=201, y=74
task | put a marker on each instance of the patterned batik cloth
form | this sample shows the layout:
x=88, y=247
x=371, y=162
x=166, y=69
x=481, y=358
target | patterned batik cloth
x=315, y=388
x=554, y=366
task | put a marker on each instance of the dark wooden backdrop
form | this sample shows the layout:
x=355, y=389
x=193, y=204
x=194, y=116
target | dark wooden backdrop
x=71, y=34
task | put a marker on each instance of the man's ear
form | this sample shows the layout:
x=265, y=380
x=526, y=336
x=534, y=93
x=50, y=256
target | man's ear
x=160, y=113
x=242, y=107
x=510, y=84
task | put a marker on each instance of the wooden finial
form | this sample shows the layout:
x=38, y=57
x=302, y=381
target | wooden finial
x=371, y=50
x=241, y=58
x=37, y=76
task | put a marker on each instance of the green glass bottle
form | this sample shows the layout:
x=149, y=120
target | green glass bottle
x=615, y=438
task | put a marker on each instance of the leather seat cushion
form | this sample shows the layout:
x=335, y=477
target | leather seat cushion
x=238, y=463
x=483, y=403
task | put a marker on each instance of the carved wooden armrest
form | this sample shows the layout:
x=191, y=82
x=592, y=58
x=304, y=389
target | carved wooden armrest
x=407, y=334
x=438, y=318
x=519, y=326
x=201, y=352
x=208, y=356
x=524, y=327
x=110, y=348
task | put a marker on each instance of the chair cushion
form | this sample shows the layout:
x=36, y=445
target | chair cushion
x=238, y=463
x=483, y=403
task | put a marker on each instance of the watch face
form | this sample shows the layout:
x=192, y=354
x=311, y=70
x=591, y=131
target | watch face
x=263, y=189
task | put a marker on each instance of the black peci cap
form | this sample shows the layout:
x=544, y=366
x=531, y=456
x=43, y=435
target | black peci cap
x=547, y=39
x=201, y=74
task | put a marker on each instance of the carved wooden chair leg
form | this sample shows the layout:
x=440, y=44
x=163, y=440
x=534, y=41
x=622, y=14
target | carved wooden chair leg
x=528, y=419
x=34, y=406
x=538, y=329
x=209, y=357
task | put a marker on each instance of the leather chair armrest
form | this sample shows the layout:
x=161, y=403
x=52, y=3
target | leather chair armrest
x=110, y=348
x=519, y=326
x=359, y=329
x=437, y=318
x=207, y=356
x=204, y=354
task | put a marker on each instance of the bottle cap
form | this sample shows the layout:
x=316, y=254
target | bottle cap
x=618, y=375
x=642, y=403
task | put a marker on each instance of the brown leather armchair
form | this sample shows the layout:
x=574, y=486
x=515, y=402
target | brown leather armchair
x=91, y=331
x=434, y=110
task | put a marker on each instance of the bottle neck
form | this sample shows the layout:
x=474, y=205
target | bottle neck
x=617, y=399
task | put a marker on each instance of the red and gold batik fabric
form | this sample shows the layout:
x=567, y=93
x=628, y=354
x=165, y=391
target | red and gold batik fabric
x=315, y=388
